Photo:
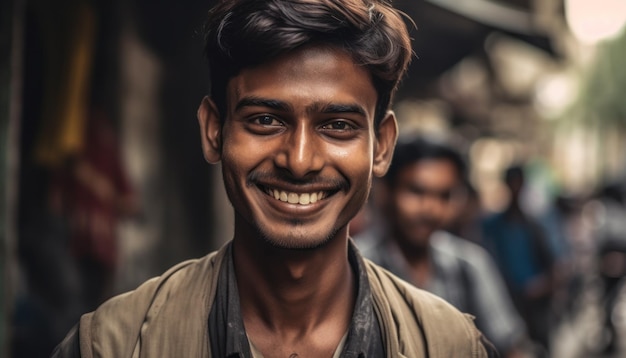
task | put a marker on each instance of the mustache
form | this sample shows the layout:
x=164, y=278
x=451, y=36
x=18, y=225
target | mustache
x=424, y=221
x=255, y=177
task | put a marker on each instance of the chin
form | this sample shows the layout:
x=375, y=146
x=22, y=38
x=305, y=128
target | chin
x=297, y=239
x=417, y=242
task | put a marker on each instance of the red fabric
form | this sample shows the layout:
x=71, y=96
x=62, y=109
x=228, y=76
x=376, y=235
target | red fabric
x=93, y=189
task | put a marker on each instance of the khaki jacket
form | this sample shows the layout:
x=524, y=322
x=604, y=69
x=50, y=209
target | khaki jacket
x=167, y=316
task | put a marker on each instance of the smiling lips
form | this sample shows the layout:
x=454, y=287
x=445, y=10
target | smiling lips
x=296, y=198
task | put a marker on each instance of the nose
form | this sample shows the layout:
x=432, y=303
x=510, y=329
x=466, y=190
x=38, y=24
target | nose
x=301, y=152
x=433, y=204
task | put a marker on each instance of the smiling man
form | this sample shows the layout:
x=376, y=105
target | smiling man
x=426, y=189
x=298, y=116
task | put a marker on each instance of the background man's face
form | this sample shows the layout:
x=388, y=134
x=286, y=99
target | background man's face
x=298, y=146
x=422, y=200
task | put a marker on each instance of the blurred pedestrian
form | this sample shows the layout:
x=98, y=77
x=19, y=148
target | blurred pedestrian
x=610, y=236
x=422, y=189
x=520, y=248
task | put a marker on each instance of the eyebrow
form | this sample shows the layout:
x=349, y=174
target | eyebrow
x=278, y=105
x=339, y=108
x=262, y=102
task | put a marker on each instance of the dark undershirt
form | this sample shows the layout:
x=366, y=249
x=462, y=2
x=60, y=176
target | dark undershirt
x=228, y=335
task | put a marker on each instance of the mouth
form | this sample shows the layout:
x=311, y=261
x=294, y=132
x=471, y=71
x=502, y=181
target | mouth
x=424, y=226
x=291, y=197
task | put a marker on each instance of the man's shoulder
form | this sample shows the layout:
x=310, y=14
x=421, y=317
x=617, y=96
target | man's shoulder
x=468, y=260
x=174, y=279
x=117, y=324
x=417, y=313
x=493, y=218
x=397, y=290
x=457, y=248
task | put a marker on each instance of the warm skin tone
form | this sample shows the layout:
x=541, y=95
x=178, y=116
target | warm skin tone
x=298, y=151
x=419, y=204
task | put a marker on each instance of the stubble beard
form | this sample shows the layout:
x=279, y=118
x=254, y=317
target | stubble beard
x=297, y=239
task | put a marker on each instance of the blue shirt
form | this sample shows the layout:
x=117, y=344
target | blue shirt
x=513, y=245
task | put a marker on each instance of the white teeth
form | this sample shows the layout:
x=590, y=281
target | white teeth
x=295, y=198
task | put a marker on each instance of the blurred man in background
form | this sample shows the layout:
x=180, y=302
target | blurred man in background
x=421, y=191
x=520, y=247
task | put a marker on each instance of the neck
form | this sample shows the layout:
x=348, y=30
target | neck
x=514, y=209
x=292, y=292
x=414, y=251
x=418, y=260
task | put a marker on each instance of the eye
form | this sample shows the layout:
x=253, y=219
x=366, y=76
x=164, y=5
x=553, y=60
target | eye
x=266, y=120
x=338, y=125
x=445, y=196
x=264, y=124
x=340, y=129
x=417, y=191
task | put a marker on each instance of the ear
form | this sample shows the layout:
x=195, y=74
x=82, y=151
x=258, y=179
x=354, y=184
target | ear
x=386, y=138
x=210, y=130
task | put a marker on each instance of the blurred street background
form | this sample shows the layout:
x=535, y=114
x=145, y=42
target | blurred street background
x=103, y=184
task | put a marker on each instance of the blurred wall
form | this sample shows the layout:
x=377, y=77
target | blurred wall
x=139, y=65
x=11, y=22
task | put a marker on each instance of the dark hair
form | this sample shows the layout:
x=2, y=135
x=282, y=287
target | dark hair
x=246, y=33
x=514, y=172
x=419, y=149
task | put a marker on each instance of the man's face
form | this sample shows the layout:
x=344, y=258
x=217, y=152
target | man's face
x=298, y=146
x=422, y=200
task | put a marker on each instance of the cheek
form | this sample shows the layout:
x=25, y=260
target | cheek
x=231, y=184
x=240, y=155
x=407, y=205
x=235, y=168
x=232, y=167
x=451, y=211
x=358, y=152
x=359, y=175
x=357, y=167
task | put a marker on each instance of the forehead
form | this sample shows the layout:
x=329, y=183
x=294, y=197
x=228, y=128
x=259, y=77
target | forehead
x=313, y=74
x=432, y=173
